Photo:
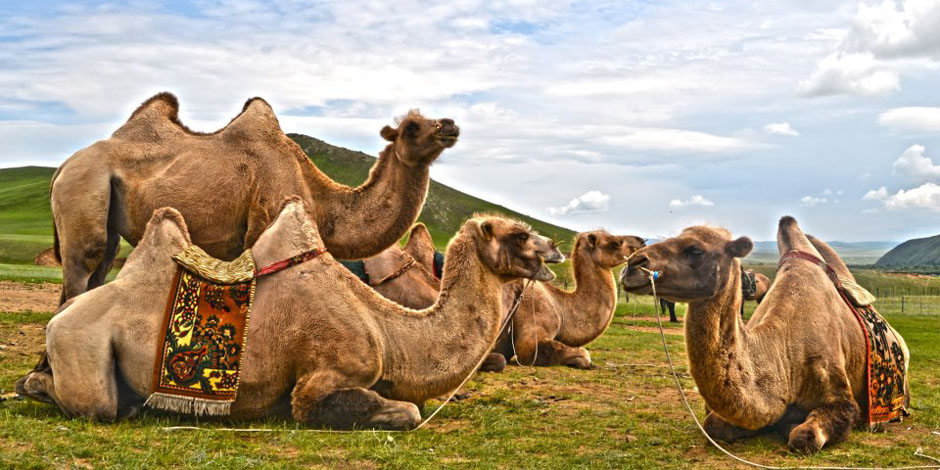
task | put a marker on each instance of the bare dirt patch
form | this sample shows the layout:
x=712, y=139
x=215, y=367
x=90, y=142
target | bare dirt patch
x=24, y=297
x=26, y=340
x=654, y=329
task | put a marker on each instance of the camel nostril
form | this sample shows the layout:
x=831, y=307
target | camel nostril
x=638, y=262
x=447, y=122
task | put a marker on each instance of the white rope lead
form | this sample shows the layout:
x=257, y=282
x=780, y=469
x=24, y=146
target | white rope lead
x=653, y=275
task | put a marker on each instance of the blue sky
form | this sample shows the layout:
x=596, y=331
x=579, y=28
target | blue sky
x=640, y=117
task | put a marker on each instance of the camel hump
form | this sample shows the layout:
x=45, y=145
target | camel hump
x=790, y=237
x=154, y=119
x=256, y=121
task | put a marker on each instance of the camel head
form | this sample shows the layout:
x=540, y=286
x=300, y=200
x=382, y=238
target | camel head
x=606, y=250
x=418, y=141
x=692, y=266
x=511, y=249
x=420, y=246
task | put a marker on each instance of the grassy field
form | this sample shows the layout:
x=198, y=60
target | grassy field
x=623, y=414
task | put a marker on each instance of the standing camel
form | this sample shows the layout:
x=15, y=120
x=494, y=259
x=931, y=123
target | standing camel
x=799, y=366
x=321, y=346
x=228, y=184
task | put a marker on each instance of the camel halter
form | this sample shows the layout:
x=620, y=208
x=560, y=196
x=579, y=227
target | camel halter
x=423, y=423
x=653, y=277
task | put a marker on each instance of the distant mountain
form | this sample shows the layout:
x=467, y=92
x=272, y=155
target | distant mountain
x=854, y=253
x=912, y=254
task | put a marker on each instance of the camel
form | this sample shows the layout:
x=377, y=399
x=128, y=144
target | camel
x=760, y=288
x=322, y=347
x=551, y=324
x=228, y=185
x=798, y=367
x=406, y=276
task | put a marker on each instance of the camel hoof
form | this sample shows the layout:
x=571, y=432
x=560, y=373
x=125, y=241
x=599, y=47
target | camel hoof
x=397, y=416
x=580, y=362
x=33, y=385
x=806, y=439
x=495, y=362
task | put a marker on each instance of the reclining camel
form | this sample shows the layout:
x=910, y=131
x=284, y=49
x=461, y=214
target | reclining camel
x=228, y=185
x=551, y=324
x=798, y=367
x=321, y=345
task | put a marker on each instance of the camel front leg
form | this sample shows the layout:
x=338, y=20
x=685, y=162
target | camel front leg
x=316, y=400
x=828, y=424
x=533, y=351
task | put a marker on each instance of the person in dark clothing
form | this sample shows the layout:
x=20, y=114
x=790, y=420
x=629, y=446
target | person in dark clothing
x=665, y=304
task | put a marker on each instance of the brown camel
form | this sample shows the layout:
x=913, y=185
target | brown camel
x=321, y=345
x=228, y=185
x=798, y=367
x=552, y=324
x=550, y=320
x=761, y=286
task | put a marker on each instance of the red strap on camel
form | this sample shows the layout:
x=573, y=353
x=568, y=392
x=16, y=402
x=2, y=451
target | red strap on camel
x=292, y=261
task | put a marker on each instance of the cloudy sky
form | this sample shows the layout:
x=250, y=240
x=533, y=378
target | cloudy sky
x=642, y=117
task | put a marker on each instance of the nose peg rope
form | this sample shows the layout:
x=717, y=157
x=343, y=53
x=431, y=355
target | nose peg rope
x=653, y=277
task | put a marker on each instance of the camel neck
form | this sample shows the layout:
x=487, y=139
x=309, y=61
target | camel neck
x=362, y=221
x=587, y=311
x=428, y=352
x=719, y=356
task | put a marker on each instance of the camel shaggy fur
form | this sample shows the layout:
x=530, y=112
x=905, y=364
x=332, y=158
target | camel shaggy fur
x=228, y=185
x=797, y=367
x=322, y=346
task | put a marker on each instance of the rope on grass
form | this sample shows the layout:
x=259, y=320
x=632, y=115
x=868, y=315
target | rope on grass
x=653, y=276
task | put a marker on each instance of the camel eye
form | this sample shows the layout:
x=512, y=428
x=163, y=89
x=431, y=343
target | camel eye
x=522, y=237
x=412, y=129
x=694, y=252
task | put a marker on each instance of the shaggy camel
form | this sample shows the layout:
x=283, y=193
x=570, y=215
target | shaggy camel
x=228, y=184
x=550, y=320
x=794, y=367
x=321, y=345
x=552, y=324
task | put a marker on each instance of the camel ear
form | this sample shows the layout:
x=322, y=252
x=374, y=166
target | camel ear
x=487, y=229
x=389, y=134
x=740, y=247
x=592, y=239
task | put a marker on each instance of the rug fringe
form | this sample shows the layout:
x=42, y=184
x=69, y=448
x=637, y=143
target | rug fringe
x=189, y=405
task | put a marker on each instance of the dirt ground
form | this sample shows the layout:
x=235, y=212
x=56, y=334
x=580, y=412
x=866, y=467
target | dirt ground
x=20, y=297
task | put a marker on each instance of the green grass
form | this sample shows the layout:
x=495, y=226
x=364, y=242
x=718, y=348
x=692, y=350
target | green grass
x=623, y=414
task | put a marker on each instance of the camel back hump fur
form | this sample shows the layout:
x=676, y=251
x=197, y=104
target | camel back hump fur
x=157, y=121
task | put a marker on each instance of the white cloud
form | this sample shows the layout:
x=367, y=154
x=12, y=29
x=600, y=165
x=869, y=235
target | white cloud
x=840, y=73
x=781, y=128
x=676, y=140
x=812, y=201
x=879, y=194
x=696, y=200
x=925, y=196
x=884, y=40
x=911, y=119
x=591, y=201
x=915, y=165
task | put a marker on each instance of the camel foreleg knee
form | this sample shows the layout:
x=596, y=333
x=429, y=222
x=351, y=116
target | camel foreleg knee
x=828, y=424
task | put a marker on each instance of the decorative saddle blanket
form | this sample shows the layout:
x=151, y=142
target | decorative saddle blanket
x=887, y=398
x=203, y=340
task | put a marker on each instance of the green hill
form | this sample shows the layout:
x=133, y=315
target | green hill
x=26, y=220
x=916, y=254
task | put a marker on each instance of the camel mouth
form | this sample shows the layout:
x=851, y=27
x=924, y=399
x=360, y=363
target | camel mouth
x=544, y=274
x=446, y=141
x=635, y=281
